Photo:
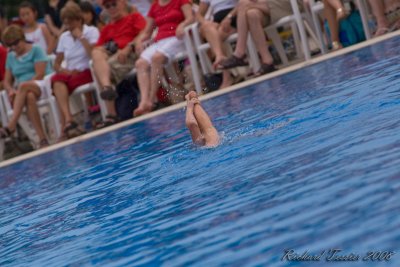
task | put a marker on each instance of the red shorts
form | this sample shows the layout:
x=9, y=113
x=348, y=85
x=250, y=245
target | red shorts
x=72, y=81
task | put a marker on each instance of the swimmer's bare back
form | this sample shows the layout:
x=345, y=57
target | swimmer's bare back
x=199, y=123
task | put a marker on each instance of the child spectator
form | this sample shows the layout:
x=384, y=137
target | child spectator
x=27, y=65
x=35, y=32
x=74, y=47
x=114, y=56
x=170, y=17
x=90, y=17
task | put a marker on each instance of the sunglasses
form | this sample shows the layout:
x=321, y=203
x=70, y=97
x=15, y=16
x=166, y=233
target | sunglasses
x=14, y=43
x=110, y=5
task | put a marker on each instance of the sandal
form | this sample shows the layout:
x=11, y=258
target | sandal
x=108, y=93
x=232, y=62
x=264, y=69
x=110, y=120
x=43, y=143
x=381, y=31
x=72, y=130
x=5, y=133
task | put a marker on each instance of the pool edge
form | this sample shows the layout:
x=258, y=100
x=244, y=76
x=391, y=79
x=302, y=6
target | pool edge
x=204, y=97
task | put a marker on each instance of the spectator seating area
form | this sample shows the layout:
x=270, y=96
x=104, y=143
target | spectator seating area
x=304, y=24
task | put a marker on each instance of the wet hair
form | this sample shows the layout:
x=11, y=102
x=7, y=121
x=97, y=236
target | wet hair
x=87, y=7
x=13, y=33
x=29, y=5
x=71, y=11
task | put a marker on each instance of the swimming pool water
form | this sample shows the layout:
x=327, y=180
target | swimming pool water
x=310, y=161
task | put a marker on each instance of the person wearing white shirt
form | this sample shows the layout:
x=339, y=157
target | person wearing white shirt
x=74, y=48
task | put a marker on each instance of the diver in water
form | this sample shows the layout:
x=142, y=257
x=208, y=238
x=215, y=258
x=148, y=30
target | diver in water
x=199, y=124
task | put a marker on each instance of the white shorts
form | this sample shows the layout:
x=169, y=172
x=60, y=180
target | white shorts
x=42, y=85
x=169, y=47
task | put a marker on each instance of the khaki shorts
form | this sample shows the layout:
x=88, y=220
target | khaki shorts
x=279, y=9
x=120, y=71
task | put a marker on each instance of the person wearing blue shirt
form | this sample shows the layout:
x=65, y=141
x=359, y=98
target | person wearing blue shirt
x=26, y=66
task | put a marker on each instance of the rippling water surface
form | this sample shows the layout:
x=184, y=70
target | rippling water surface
x=310, y=161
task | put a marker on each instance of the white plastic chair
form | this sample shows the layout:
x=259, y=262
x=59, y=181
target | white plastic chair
x=300, y=28
x=318, y=7
x=46, y=104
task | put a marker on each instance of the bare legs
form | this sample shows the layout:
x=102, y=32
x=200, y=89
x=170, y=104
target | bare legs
x=102, y=71
x=27, y=95
x=60, y=90
x=334, y=11
x=199, y=123
x=215, y=37
x=149, y=79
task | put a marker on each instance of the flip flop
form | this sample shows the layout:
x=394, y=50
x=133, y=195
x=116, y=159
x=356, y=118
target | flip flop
x=5, y=132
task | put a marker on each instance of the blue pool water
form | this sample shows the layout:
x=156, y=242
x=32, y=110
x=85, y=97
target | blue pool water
x=310, y=161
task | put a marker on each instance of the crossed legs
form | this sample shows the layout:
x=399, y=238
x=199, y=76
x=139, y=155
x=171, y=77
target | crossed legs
x=199, y=123
x=27, y=95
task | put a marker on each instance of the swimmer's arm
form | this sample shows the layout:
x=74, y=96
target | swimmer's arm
x=192, y=125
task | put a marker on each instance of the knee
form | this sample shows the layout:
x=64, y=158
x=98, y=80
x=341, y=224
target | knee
x=253, y=15
x=24, y=87
x=98, y=53
x=158, y=59
x=205, y=26
x=31, y=99
x=141, y=64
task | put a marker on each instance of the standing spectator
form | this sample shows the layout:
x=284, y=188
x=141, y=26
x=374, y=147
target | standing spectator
x=74, y=47
x=216, y=31
x=3, y=56
x=35, y=32
x=27, y=65
x=170, y=17
x=114, y=56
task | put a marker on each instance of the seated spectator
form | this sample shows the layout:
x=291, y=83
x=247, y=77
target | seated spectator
x=52, y=16
x=387, y=15
x=90, y=17
x=74, y=47
x=114, y=56
x=216, y=31
x=253, y=17
x=35, y=32
x=27, y=65
x=3, y=56
x=170, y=17
x=334, y=12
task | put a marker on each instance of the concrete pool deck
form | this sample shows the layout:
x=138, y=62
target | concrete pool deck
x=203, y=97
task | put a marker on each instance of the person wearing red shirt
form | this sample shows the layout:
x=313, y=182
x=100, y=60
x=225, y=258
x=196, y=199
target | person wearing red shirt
x=170, y=17
x=3, y=57
x=114, y=57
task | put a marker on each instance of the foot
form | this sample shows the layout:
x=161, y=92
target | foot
x=190, y=95
x=336, y=46
x=381, y=31
x=232, y=62
x=108, y=93
x=264, y=69
x=341, y=13
x=43, y=143
x=110, y=120
x=5, y=132
x=217, y=62
x=71, y=130
x=143, y=109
